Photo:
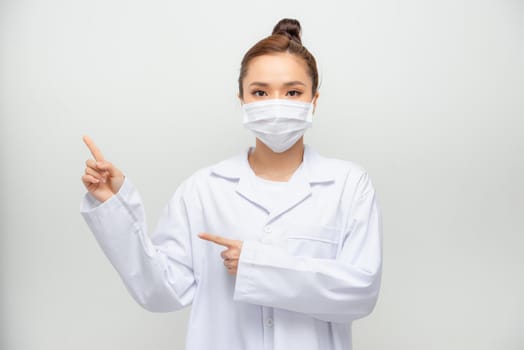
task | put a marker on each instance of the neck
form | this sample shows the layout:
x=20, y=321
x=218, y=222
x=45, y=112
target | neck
x=276, y=166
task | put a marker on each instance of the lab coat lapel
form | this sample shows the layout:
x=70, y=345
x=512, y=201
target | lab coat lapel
x=237, y=168
x=247, y=189
x=312, y=170
x=299, y=189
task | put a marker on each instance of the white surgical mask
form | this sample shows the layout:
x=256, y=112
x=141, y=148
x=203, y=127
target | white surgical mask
x=278, y=123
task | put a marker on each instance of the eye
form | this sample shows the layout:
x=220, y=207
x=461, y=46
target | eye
x=259, y=93
x=294, y=93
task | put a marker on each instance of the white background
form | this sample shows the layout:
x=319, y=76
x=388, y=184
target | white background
x=427, y=95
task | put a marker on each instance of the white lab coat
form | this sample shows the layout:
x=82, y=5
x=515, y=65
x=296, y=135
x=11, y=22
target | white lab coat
x=307, y=269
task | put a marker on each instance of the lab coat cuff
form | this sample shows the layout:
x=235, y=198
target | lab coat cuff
x=90, y=203
x=243, y=284
x=97, y=214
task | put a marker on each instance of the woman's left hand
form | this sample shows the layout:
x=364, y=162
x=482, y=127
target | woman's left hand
x=231, y=254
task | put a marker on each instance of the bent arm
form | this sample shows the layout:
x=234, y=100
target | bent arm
x=156, y=271
x=337, y=290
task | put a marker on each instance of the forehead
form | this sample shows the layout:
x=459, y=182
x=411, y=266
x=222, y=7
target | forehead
x=277, y=68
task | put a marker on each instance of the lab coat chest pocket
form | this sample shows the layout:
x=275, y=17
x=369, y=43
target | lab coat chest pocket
x=314, y=241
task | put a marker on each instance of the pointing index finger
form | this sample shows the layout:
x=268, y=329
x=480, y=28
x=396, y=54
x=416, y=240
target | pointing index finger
x=92, y=147
x=216, y=239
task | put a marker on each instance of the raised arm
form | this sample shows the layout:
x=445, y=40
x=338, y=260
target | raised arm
x=157, y=271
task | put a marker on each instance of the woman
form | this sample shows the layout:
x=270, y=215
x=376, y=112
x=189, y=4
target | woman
x=277, y=247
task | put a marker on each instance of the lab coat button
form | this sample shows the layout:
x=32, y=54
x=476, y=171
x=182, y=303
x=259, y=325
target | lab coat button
x=269, y=322
x=267, y=229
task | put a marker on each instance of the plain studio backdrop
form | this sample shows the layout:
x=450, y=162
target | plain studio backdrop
x=428, y=96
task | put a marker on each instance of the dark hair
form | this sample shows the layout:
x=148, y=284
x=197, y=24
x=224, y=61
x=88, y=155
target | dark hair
x=285, y=38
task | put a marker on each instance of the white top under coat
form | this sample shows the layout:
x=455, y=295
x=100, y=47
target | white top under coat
x=309, y=266
x=272, y=191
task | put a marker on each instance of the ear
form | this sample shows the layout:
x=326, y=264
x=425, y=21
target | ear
x=315, y=98
x=240, y=98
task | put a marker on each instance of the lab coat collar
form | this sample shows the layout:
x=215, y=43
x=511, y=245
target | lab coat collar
x=315, y=166
x=313, y=169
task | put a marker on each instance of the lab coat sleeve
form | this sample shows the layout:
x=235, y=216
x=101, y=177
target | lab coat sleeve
x=337, y=290
x=157, y=271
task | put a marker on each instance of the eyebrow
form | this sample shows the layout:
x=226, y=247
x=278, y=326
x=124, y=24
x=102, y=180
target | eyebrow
x=289, y=83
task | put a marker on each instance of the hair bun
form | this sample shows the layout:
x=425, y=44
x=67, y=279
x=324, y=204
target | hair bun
x=289, y=27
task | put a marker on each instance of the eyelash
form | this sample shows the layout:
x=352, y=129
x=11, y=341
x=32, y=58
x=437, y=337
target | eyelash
x=255, y=93
x=295, y=93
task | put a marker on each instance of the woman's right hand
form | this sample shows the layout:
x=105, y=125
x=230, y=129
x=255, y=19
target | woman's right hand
x=102, y=179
